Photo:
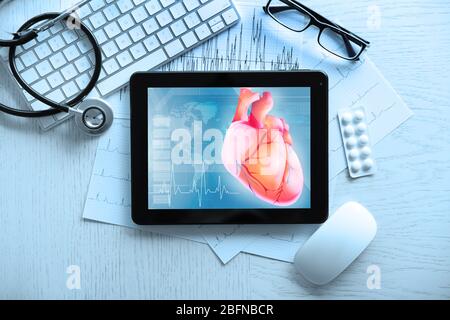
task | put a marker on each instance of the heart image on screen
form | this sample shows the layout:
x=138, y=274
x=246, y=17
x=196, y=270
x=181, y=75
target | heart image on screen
x=258, y=151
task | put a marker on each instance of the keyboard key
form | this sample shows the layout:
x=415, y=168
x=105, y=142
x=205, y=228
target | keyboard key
x=30, y=76
x=28, y=96
x=97, y=4
x=138, y=51
x=230, y=16
x=70, y=89
x=178, y=27
x=70, y=36
x=57, y=60
x=100, y=35
x=61, y=116
x=212, y=8
x=126, y=22
x=139, y=14
x=56, y=96
x=151, y=43
x=110, y=66
x=150, y=26
x=124, y=5
x=71, y=53
x=83, y=64
x=55, y=79
x=153, y=7
x=177, y=10
x=173, y=48
x=111, y=12
x=69, y=72
x=191, y=4
x=166, y=3
x=203, y=31
x=44, y=68
x=39, y=106
x=97, y=20
x=56, y=43
x=29, y=44
x=43, y=51
x=217, y=27
x=82, y=81
x=115, y=81
x=19, y=65
x=84, y=11
x=84, y=45
x=214, y=21
x=192, y=20
x=165, y=35
x=112, y=29
x=57, y=27
x=189, y=39
x=110, y=49
x=28, y=58
x=124, y=59
x=137, y=33
x=164, y=18
x=123, y=41
x=41, y=86
x=43, y=35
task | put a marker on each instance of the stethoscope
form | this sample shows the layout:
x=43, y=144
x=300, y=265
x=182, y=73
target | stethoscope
x=92, y=115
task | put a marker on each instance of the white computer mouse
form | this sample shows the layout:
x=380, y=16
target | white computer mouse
x=336, y=244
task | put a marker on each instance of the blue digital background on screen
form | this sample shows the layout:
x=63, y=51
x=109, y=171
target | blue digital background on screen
x=187, y=128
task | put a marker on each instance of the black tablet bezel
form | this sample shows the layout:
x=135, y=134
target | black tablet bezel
x=139, y=84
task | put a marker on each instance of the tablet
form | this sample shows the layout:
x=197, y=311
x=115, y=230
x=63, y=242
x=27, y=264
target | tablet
x=229, y=147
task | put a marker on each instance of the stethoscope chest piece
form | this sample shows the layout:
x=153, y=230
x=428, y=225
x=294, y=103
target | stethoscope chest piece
x=93, y=116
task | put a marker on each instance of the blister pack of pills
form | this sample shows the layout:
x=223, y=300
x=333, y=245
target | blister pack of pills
x=357, y=144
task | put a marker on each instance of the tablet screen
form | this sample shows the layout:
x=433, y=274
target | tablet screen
x=229, y=148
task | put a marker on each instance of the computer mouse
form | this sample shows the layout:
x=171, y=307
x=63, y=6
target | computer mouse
x=336, y=244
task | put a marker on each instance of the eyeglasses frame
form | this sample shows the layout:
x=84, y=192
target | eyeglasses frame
x=321, y=23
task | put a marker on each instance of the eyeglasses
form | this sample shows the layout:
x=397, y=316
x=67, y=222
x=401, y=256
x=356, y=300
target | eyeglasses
x=332, y=37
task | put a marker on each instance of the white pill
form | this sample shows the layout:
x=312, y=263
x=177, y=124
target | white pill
x=361, y=128
x=346, y=118
x=353, y=154
x=367, y=164
x=363, y=140
x=349, y=131
x=356, y=166
x=365, y=152
x=351, y=143
x=359, y=115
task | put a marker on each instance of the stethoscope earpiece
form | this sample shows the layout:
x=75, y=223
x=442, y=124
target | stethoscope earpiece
x=93, y=116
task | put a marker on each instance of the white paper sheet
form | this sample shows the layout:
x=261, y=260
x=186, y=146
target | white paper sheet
x=258, y=43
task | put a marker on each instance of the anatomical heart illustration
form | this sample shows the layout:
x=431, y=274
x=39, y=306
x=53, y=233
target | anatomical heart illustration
x=258, y=151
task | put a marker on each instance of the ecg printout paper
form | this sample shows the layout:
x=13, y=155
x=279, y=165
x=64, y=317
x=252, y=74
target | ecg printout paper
x=257, y=43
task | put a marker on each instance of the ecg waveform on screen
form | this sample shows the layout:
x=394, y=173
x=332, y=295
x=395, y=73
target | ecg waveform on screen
x=199, y=187
x=240, y=52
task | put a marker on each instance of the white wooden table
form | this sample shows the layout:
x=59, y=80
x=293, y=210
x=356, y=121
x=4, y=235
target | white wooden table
x=44, y=179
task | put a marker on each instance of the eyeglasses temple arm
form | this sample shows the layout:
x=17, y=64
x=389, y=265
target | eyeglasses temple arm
x=319, y=16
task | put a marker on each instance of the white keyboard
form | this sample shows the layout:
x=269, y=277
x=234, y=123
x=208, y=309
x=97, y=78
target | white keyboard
x=134, y=35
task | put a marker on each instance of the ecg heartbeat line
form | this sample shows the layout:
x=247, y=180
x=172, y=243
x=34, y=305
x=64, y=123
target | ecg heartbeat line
x=240, y=53
x=198, y=186
x=109, y=148
x=111, y=176
x=102, y=198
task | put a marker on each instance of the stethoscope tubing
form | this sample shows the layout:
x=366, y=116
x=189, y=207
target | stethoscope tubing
x=54, y=107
